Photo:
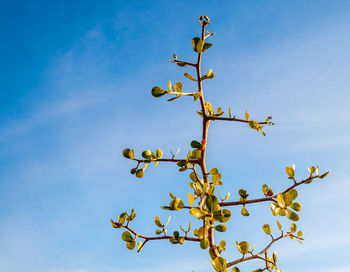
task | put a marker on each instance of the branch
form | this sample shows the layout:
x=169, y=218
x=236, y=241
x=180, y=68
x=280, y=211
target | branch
x=181, y=94
x=271, y=198
x=163, y=160
x=150, y=238
x=258, y=255
x=184, y=62
x=232, y=119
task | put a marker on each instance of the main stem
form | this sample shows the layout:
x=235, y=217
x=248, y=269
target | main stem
x=206, y=122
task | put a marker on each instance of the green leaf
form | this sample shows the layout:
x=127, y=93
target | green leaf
x=280, y=200
x=244, y=211
x=189, y=76
x=324, y=175
x=290, y=171
x=190, y=199
x=222, y=215
x=196, y=96
x=115, y=225
x=157, y=91
x=293, y=228
x=216, y=179
x=243, y=247
x=157, y=222
x=299, y=234
x=130, y=245
x=219, y=264
x=212, y=203
x=126, y=236
x=140, y=173
x=197, y=44
x=133, y=171
x=146, y=154
x=246, y=115
x=178, y=87
x=158, y=231
x=204, y=244
x=220, y=228
x=296, y=206
x=206, y=46
x=128, y=153
x=214, y=171
x=292, y=215
x=235, y=269
x=267, y=229
x=196, y=154
x=279, y=225
x=159, y=153
x=198, y=213
x=258, y=270
x=195, y=144
x=274, y=256
x=293, y=193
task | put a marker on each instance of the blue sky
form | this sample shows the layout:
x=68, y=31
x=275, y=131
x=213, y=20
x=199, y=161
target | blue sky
x=75, y=90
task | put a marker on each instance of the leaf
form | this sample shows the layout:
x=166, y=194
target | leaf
x=220, y=228
x=222, y=215
x=212, y=203
x=198, y=213
x=195, y=144
x=274, y=256
x=243, y=247
x=130, y=245
x=235, y=269
x=206, y=46
x=279, y=225
x=267, y=229
x=197, y=44
x=158, y=231
x=214, y=171
x=293, y=228
x=157, y=91
x=216, y=179
x=292, y=215
x=116, y=225
x=229, y=112
x=280, y=200
x=324, y=175
x=196, y=154
x=244, y=211
x=290, y=171
x=189, y=76
x=204, y=244
x=246, y=115
x=210, y=74
x=190, y=199
x=169, y=86
x=219, y=264
x=299, y=234
x=196, y=96
x=193, y=176
x=178, y=87
x=296, y=206
x=293, y=193
x=140, y=173
x=159, y=153
x=126, y=236
x=157, y=222
x=139, y=244
x=127, y=153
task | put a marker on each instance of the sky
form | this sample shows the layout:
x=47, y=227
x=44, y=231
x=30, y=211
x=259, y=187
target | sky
x=75, y=90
